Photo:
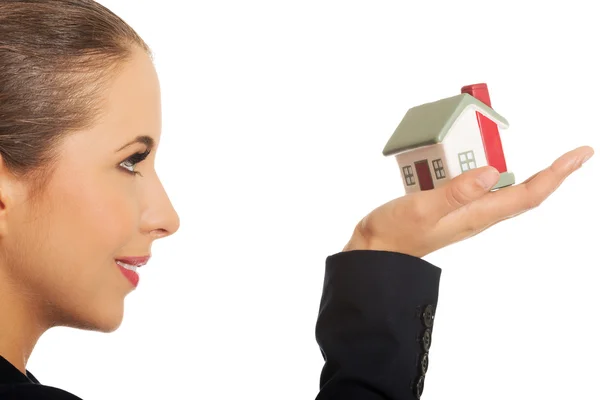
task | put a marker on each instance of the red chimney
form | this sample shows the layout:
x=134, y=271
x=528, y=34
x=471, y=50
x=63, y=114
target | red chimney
x=479, y=91
x=489, y=130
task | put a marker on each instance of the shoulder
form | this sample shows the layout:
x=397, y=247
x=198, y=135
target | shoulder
x=32, y=391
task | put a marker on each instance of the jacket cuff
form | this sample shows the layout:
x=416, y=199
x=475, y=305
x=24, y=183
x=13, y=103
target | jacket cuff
x=375, y=323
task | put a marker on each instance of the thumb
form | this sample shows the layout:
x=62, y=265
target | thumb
x=463, y=189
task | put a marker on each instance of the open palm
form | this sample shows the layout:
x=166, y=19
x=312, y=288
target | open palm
x=422, y=222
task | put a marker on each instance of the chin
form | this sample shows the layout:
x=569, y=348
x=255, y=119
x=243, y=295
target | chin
x=108, y=328
x=105, y=319
x=110, y=321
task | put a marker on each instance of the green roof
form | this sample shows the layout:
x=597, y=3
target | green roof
x=429, y=123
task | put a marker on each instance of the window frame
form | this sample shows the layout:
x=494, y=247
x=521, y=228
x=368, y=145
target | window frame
x=465, y=165
x=440, y=172
x=409, y=176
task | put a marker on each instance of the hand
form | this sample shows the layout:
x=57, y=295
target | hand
x=422, y=222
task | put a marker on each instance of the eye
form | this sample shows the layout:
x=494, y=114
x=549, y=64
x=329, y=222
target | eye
x=131, y=161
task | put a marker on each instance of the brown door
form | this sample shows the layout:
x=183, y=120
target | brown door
x=424, y=175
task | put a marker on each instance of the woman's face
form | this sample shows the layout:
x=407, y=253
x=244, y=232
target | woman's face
x=60, y=252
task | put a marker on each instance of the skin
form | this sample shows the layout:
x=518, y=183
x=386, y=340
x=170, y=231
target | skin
x=423, y=222
x=57, y=255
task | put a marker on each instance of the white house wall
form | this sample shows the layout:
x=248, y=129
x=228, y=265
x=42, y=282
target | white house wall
x=409, y=157
x=464, y=136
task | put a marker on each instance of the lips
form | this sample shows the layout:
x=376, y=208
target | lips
x=134, y=261
x=129, y=266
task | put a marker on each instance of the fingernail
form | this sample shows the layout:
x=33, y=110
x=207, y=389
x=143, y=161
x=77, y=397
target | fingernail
x=586, y=158
x=576, y=163
x=488, y=178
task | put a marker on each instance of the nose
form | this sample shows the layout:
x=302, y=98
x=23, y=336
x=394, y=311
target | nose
x=159, y=218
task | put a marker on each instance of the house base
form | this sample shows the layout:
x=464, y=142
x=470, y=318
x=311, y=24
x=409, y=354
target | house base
x=506, y=179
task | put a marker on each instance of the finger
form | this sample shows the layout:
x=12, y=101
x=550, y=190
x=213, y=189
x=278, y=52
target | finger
x=511, y=201
x=460, y=191
x=531, y=177
x=465, y=222
x=578, y=157
x=539, y=187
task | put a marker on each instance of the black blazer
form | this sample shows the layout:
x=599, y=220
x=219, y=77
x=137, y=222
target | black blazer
x=373, y=328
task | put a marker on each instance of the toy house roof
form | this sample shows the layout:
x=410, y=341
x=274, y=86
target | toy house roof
x=429, y=123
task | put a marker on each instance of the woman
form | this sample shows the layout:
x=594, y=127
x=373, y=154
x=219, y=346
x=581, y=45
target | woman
x=81, y=205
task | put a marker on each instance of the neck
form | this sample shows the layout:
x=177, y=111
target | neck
x=20, y=323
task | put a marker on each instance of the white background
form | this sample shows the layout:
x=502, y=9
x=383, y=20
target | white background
x=275, y=116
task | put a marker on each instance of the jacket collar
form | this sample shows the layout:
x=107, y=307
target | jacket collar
x=10, y=374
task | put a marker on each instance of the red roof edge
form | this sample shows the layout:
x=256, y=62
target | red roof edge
x=490, y=135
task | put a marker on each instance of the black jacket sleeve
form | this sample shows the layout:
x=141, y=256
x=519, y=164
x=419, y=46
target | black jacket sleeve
x=374, y=325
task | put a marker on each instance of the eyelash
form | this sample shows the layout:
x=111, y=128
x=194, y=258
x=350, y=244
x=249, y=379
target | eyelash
x=133, y=160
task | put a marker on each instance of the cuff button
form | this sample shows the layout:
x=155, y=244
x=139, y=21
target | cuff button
x=424, y=363
x=419, y=387
x=428, y=316
x=426, y=340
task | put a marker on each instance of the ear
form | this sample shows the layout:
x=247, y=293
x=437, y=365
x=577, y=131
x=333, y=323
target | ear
x=12, y=194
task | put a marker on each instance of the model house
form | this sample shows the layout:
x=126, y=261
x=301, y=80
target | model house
x=437, y=141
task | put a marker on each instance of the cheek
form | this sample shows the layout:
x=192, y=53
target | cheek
x=81, y=226
x=63, y=249
x=99, y=216
x=78, y=232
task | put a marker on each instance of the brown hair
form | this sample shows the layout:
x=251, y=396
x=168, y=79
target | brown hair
x=56, y=57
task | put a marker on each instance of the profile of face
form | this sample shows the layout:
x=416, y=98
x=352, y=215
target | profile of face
x=103, y=202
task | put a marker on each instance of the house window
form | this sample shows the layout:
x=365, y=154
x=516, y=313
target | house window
x=409, y=177
x=467, y=160
x=438, y=167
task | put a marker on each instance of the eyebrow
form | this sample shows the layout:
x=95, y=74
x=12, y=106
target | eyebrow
x=143, y=139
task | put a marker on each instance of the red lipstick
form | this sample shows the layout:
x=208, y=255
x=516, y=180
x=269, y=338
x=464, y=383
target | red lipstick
x=129, y=266
x=137, y=261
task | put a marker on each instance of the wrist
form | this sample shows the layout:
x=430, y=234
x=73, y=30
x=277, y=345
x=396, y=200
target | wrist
x=363, y=240
x=358, y=241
